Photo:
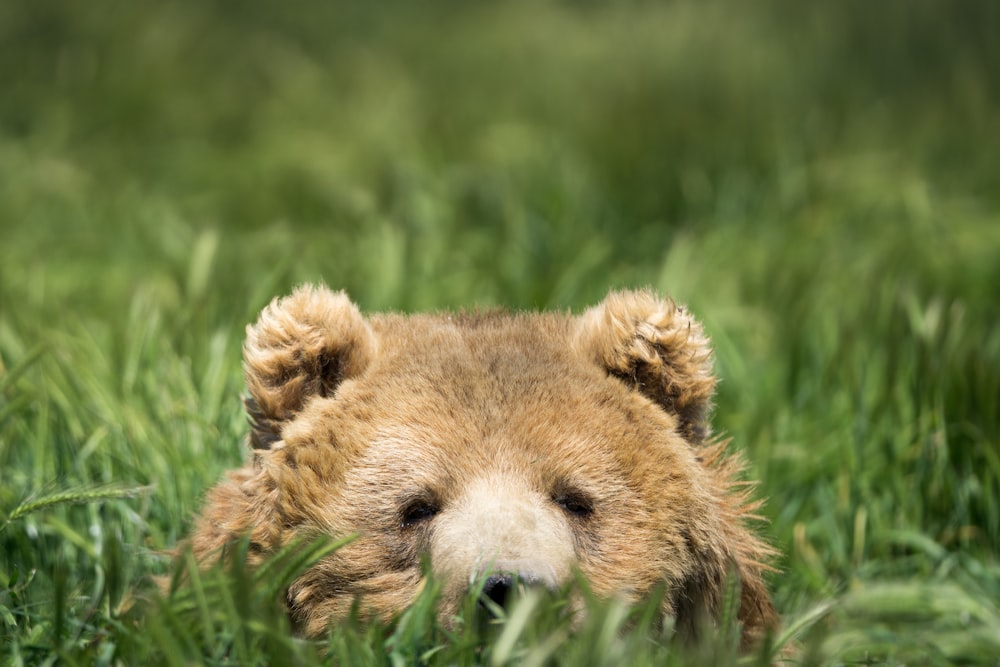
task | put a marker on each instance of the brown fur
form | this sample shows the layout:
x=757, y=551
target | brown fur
x=534, y=443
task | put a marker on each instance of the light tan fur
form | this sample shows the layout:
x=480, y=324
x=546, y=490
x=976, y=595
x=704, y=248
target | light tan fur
x=530, y=443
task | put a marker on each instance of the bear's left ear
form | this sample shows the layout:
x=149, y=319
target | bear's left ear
x=302, y=346
x=654, y=345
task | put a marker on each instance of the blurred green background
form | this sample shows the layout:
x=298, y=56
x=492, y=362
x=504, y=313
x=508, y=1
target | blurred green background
x=819, y=181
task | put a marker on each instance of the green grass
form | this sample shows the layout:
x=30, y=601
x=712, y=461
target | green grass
x=818, y=181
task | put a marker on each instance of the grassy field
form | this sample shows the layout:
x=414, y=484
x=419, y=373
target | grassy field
x=820, y=182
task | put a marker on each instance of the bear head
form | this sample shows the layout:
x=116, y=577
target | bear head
x=518, y=447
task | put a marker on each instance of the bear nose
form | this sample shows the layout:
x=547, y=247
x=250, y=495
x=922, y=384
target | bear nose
x=499, y=588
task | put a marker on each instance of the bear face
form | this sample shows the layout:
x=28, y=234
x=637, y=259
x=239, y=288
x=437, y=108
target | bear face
x=528, y=446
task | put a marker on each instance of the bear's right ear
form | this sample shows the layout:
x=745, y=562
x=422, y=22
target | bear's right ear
x=303, y=345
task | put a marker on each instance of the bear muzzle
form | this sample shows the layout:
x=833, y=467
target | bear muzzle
x=514, y=538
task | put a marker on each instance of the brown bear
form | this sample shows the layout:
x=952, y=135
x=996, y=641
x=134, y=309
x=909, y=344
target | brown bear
x=519, y=446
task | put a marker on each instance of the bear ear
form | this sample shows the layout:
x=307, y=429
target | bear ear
x=303, y=345
x=654, y=345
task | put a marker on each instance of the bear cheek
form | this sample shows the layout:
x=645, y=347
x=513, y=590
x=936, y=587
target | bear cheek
x=364, y=573
x=496, y=527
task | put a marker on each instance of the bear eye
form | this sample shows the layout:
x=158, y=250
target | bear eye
x=574, y=502
x=417, y=511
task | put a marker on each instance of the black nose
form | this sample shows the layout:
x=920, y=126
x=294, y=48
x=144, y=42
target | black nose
x=498, y=588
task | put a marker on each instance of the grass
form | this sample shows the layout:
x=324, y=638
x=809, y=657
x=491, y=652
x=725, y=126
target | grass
x=818, y=182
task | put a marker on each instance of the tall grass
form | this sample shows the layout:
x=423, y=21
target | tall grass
x=818, y=181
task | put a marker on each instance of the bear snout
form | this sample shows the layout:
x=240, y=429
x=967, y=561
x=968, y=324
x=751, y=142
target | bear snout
x=497, y=528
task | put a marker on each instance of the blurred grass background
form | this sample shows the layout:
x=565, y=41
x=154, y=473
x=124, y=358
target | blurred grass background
x=819, y=181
